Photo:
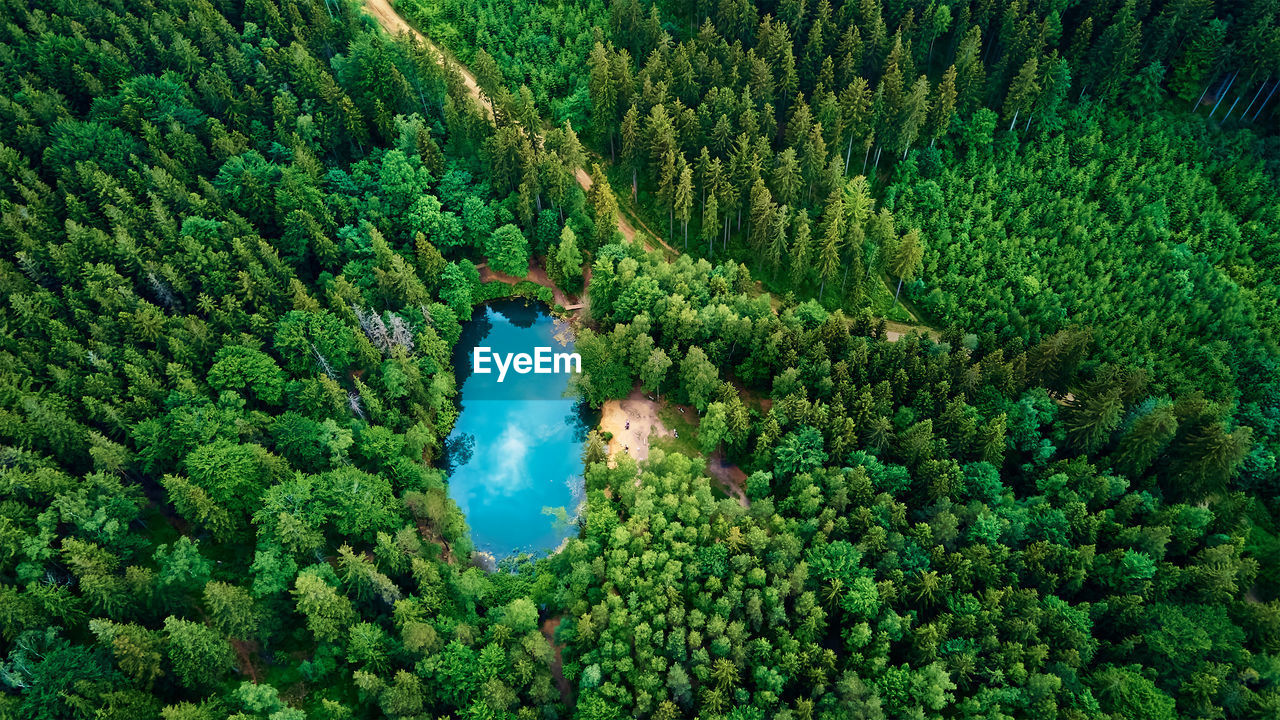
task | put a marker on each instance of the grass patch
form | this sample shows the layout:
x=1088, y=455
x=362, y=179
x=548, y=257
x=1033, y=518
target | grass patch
x=687, y=430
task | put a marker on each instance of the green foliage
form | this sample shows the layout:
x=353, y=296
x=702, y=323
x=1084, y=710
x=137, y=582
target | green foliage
x=200, y=656
x=508, y=251
x=238, y=243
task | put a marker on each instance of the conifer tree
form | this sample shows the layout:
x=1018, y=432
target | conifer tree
x=943, y=107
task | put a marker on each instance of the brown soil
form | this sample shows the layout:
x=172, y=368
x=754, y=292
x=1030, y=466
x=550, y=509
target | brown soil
x=642, y=413
x=895, y=331
x=732, y=479
x=396, y=25
x=538, y=274
x=430, y=535
x=245, y=650
x=557, y=663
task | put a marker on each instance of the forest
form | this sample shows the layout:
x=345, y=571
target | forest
x=981, y=298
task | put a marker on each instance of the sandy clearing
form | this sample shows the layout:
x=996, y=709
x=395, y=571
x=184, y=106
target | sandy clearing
x=646, y=424
x=642, y=413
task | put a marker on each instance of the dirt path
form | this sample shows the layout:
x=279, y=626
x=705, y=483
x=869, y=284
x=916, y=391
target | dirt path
x=624, y=225
x=557, y=663
x=732, y=478
x=642, y=414
x=895, y=331
x=536, y=274
x=391, y=21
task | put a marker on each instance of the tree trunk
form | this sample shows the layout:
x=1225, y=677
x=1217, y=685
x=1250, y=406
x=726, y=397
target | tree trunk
x=865, y=155
x=1015, y=119
x=1230, y=110
x=1244, y=115
x=634, y=186
x=1206, y=92
x=896, y=294
x=1225, y=90
x=1265, y=101
x=847, y=153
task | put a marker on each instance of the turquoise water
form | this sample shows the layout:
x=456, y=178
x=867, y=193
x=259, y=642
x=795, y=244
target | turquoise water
x=515, y=453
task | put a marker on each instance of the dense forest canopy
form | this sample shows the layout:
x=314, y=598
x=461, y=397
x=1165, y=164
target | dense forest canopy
x=238, y=241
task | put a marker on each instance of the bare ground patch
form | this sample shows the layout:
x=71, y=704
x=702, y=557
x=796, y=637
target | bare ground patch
x=632, y=420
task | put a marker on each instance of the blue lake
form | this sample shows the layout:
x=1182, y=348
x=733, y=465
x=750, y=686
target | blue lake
x=515, y=454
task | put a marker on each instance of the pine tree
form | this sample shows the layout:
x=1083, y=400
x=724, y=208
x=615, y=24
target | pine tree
x=943, y=107
x=971, y=76
x=800, y=248
x=603, y=93
x=1023, y=91
x=785, y=178
x=832, y=234
x=630, y=146
x=855, y=104
x=915, y=110
x=604, y=207
x=1200, y=63
x=777, y=245
x=684, y=200
x=710, y=224
x=904, y=263
x=760, y=217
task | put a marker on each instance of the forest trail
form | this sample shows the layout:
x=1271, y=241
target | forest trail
x=391, y=21
x=393, y=24
x=624, y=227
x=536, y=274
x=895, y=331
x=557, y=662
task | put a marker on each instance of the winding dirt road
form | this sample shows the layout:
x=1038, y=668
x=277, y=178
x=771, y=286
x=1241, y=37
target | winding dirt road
x=391, y=21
